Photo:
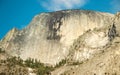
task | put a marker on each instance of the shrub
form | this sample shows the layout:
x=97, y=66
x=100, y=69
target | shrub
x=77, y=63
x=61, y=63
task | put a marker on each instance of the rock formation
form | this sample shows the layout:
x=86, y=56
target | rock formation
x=74, y=35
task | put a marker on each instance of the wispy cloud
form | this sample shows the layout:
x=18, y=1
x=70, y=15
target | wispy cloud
x=115, y=5
x=54, y=5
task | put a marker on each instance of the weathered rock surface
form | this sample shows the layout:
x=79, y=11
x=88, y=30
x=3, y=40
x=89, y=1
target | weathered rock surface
x=105, y=63
x=76, y=35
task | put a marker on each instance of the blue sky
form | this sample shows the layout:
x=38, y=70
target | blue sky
x=19, y=13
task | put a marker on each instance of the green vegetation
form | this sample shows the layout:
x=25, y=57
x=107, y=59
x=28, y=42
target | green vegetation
x=40, y=68
x=44, y=70
x=61, y=63
x=77, y=63
x=13, y=66
x=15, y=63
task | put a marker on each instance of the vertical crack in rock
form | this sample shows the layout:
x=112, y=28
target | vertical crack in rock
x=54, y=24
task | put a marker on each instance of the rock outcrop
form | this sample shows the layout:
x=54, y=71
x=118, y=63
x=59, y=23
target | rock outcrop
x=75, y=35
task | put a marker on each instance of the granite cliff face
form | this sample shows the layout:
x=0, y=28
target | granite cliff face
x=74, y=35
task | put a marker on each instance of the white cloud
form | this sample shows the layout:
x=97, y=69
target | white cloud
x=54, y=5
x=115, y=5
